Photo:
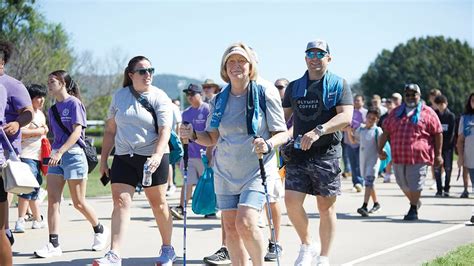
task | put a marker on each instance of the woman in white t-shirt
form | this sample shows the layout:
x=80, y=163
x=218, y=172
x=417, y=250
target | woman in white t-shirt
x=465, y=142
x=31, y=155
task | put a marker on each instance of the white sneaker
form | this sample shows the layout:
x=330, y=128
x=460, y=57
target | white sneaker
x=110, y=259
x=307, y=255
x=38, y=224
x=322, y=261
x=100, y=240
x=19, y=226
x=42, y=193
x=358, y=187
x=49, y=251
x=171, y=190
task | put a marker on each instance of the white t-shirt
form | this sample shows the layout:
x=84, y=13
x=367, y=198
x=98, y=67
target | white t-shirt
x=468, y=142
x=31, y=147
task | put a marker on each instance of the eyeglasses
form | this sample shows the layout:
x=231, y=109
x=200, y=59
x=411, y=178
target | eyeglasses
x=410, y=94
x=318, y=54
x=143, y=71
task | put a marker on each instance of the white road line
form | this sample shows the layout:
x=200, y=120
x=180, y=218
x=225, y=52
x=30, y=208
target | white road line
x=411, y=242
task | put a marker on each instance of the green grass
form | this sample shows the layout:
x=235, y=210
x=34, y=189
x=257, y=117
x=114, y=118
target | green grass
x=463, y=255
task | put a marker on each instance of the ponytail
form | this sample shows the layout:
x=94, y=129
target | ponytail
x=127, y=81
x=72, y=87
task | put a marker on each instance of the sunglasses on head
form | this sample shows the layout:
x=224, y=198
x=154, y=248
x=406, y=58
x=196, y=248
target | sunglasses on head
x=318, y=54
x=280, y=87
x=143, y=71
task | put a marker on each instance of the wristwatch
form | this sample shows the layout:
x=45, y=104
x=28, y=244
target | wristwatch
x=320, y=130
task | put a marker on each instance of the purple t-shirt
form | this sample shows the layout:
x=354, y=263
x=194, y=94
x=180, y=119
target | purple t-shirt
x=3, y=105
x=197, y=117
x=17, y=99
x=72, y=112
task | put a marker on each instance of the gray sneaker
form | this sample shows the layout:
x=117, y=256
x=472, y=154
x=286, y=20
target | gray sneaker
x=274, y=250
x=221, y=257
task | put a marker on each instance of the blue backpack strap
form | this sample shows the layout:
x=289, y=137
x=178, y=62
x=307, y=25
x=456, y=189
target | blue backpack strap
x=333, y=86
x=261, y=99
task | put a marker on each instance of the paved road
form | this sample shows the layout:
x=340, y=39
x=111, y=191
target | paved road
x=377, y=240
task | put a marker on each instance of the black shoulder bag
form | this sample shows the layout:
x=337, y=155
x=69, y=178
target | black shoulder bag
x=175, y=145
x=89, y=149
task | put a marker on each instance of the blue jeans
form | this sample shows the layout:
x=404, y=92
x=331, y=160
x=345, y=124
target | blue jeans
x=345, y=158
x=353, y=154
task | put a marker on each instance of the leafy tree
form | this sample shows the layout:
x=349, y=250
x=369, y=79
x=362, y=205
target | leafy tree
x=431, y=62
x=41, y=47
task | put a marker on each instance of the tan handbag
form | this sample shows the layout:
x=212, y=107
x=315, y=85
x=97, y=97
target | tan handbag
x=17, y=175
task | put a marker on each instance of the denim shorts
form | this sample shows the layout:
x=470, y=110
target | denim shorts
x=73, y=164
x=249, y=198
x=35, y=169
x=369, y=181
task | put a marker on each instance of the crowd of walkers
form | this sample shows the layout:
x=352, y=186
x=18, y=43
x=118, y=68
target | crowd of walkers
x=293, y=133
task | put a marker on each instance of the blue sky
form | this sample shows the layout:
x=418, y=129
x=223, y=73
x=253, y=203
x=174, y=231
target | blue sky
x=188, y=37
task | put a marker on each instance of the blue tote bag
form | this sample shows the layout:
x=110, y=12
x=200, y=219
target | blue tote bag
x=204, y=196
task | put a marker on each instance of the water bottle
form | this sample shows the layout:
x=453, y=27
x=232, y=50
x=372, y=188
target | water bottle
x=146, y=181
x=297, y=144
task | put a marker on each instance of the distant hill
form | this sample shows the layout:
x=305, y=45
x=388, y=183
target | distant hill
x=170, y=83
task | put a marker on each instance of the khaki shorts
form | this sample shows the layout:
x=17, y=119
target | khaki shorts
x=410, y=177
x=276, y=190
x=195, y=170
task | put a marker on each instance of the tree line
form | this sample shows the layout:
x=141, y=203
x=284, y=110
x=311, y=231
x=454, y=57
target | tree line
x=41, y=47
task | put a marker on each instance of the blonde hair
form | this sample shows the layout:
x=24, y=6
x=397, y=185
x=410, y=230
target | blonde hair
x=253, y=65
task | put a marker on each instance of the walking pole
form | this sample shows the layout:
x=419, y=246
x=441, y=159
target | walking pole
x=185, y=188
x=267, y=197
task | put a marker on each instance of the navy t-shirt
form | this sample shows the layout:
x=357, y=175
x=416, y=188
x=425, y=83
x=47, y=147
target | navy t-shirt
x=309, y=111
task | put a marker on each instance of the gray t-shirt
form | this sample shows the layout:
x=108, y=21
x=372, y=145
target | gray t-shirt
x=135, y=129
x=368, y=152
x=236, y=165
x=468, y=141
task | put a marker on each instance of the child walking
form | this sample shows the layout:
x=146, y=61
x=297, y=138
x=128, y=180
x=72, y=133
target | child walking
x=367, y=136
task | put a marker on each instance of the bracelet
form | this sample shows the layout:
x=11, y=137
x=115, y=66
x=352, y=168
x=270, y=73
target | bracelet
x=269, y=147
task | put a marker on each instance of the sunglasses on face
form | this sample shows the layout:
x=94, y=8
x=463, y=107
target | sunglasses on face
x=410, y=94
x=318, y=54
x=143, y=71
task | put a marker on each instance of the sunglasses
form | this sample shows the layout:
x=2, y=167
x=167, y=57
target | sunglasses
x=318, y=54
x=280, y=87
x=143, y=71
x=410, y=94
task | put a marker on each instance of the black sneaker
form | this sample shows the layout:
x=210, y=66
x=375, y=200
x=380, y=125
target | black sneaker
x=210, y=216
x=412, y=215
x=177, y=212
x=439, y=194
x=375, y=208
x=465, y=194
x=29, y=217
x=221, y=257
x=272, y=251
x=472, y=219
x=10, y=237
x=363, y=211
